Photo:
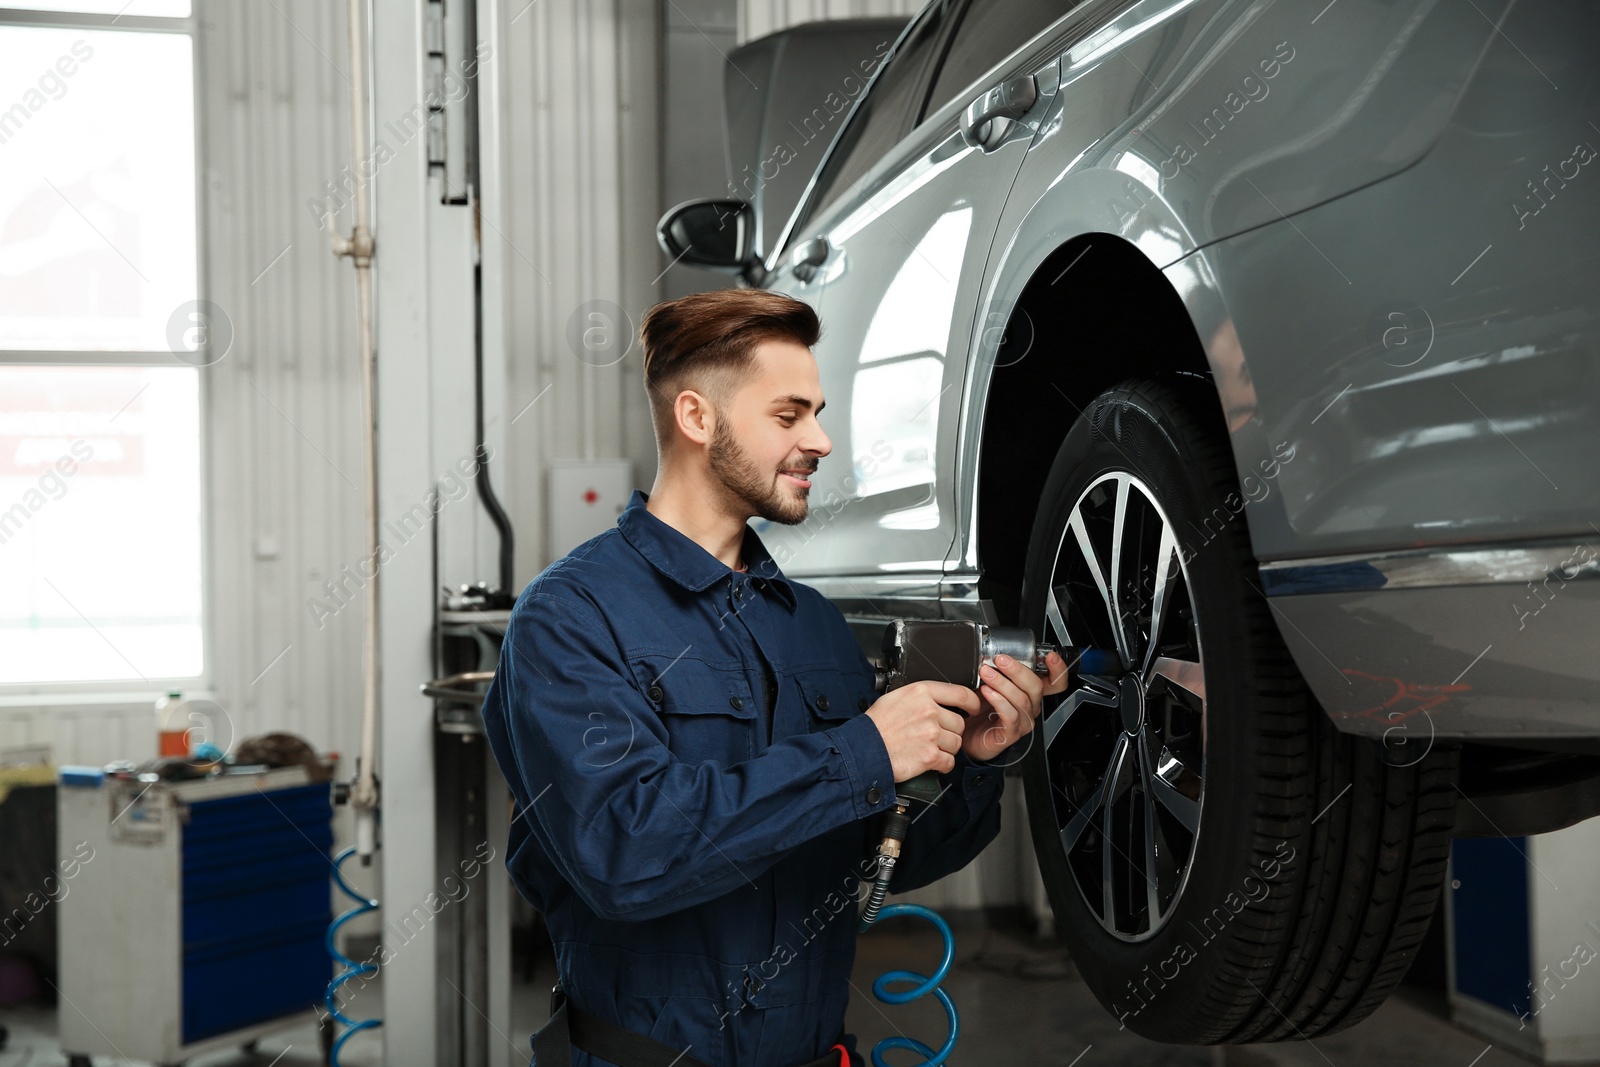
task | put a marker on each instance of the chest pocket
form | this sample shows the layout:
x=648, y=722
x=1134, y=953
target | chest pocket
x=832, y=695
x=709, y=712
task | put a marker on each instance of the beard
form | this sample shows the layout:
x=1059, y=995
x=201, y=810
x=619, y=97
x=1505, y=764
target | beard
x=758, y=490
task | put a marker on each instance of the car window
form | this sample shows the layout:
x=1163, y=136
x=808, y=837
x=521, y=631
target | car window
x=880, y=119
x=988, y=33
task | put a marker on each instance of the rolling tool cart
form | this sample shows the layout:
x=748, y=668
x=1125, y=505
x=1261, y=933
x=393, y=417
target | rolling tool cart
x=196, y=919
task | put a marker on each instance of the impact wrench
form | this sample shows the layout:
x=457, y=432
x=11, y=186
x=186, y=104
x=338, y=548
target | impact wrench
x=917, y=650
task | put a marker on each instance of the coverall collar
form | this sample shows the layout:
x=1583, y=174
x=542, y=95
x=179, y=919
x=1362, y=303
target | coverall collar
x=677, y=556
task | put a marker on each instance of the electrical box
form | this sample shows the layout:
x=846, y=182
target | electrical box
x=586, y=496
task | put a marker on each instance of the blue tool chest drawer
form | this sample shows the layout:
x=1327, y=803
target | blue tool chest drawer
x=255, y=907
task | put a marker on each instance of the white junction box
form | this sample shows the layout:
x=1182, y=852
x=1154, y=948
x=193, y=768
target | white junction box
x=586, y=496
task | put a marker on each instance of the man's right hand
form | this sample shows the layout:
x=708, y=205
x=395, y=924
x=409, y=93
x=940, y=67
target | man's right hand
x=918, y=727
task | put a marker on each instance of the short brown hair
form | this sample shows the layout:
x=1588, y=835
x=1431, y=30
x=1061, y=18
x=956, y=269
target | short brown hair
x=702, y=341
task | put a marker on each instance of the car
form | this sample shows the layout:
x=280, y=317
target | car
x=1256, y=343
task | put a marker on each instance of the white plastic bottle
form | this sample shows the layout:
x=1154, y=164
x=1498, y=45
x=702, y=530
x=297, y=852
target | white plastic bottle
x=171, y=730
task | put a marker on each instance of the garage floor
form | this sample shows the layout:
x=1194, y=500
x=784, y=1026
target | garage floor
x=1019, y=1003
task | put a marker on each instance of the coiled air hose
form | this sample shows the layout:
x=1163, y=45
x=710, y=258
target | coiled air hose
x=896, y=825
x=921, y=986
x=352, y=968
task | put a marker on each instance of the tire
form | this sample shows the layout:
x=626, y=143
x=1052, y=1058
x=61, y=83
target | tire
x=1295, y=868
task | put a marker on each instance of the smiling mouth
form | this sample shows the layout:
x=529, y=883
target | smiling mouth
x=797, y=475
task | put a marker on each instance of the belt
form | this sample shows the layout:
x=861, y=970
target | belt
x=570, y=1025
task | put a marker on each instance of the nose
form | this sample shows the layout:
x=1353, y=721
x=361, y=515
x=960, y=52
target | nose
x=817, y=443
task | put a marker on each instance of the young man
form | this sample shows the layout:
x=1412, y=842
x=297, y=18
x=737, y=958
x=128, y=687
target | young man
x=694, y=741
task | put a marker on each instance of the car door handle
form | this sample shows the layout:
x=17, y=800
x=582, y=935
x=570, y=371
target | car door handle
x=808, y=257
x=989, y=116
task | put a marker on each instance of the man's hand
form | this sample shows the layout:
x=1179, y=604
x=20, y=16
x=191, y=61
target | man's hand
x=1014, y=699
x=918, y=727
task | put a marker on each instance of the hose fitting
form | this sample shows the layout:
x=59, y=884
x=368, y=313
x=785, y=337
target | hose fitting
x=896, y=824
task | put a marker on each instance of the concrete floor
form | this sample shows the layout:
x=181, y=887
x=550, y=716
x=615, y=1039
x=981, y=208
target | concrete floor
x=1020, y=1003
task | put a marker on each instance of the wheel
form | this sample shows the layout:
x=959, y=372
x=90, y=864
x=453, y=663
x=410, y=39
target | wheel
x=1223, y=865
x=76, y=1060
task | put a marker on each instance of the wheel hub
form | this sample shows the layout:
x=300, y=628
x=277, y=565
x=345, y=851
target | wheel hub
x=1130, y=695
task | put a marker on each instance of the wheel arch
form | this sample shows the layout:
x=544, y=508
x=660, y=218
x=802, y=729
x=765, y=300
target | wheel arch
x=1095, y=293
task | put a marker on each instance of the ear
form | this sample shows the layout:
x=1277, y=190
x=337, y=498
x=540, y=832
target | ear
x=694, y=416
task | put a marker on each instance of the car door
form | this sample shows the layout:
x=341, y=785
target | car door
x=897, y=228
x=874, y=126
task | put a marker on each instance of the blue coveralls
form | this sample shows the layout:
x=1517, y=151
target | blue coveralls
x=697, y=854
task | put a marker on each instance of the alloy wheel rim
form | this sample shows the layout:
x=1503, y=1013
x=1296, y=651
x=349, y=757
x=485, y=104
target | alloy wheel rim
x=1124, y=754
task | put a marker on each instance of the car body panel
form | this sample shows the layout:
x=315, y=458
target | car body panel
x=1443, y=409
x=1386, y=245
x=1491, y=660
x=1430, y=342
x=1105, y=160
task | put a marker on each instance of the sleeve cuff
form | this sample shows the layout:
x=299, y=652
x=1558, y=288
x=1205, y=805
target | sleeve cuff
x=869, y=773
x=977, y=776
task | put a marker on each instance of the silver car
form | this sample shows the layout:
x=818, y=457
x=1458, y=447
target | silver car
x=1257, y=342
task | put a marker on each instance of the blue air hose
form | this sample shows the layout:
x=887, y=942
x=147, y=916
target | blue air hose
x=921, y=986
x=352, y=968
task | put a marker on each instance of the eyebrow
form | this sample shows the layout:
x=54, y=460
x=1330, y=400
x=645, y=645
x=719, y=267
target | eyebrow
x=799, y=401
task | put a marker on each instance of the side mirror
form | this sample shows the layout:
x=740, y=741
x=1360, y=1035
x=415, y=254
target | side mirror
x=714, y=235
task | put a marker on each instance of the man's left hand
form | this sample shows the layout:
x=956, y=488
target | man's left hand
x=1013, y=697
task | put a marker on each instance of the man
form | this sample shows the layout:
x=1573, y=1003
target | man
x=694, y=741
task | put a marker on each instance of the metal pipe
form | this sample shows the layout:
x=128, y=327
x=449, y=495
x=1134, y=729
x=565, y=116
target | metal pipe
x=359, y=247
x=474, y=168
x=486, y=493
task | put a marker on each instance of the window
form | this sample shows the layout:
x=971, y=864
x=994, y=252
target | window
x=879, y=120
x=102, y=341
x=987, y=34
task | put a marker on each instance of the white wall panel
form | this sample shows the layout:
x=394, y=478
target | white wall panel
x=281, y=444
x=284, y=405
x=582, y=193
x=757, y=18
x=84, y=734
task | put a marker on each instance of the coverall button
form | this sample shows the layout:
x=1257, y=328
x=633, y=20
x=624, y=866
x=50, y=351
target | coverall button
x=736, y=702
x=874, y=795
x=654, y=693
x=822, y=701
x=979, y=779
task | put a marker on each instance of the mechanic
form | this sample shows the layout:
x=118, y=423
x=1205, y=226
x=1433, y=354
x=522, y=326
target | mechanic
x=694, y=742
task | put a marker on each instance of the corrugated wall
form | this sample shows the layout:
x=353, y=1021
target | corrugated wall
x=583, y=185
x=284, y=405
x=579, y=81
x=283, y=443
